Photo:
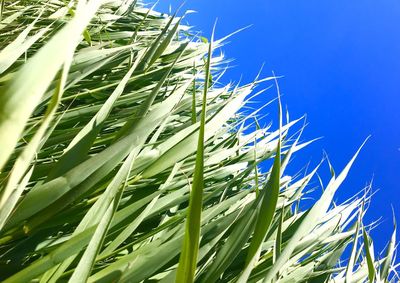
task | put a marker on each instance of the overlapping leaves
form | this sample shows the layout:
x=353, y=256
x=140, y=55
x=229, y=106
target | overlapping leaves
x=107, y=153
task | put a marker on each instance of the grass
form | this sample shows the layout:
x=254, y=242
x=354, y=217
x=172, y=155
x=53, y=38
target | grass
x=124, y=159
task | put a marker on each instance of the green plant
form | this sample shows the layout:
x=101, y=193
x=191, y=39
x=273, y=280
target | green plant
x=111, y=165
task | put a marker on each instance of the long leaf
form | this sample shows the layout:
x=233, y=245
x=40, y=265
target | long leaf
x=188, y=258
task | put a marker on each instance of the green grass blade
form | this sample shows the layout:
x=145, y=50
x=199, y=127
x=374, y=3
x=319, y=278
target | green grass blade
x=150, y=54
x=278, y=240
x=78, y=148
x=369, y=254
x=110, y=198
x=55, y=257
x=188, y=258
x=87, y=173
x=387, y=262
x=164, y=44
x=15, y=105
x=233, y=245
x=312, y=217
x=194, y=112
x=24, y=160
x=267, y=200
x=132, y=226
x=144, y=108
x=21, y=44
x=352, y=259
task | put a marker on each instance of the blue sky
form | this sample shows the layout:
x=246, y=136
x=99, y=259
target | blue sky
x=341, y=66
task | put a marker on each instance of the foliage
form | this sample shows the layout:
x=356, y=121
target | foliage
x=111, y=165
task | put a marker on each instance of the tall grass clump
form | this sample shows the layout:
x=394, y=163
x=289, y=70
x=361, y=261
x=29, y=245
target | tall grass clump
x=124, y=159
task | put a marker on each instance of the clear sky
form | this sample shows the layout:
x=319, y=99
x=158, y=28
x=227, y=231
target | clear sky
x=341, y=66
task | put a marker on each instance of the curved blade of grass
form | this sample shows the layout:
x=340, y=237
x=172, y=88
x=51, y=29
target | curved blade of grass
x=78, y=148
x=5, y=22
x=188, y=258
x=278, y=239
x=132, y=226
x=164, y=44
x=233, y=245
x=42, y=199
x=369, y=254
x=387, y=262
x=20, y=45
x=194, y=112
x=144, y=108
x=110, y=198
x=12, y=199
x=352, y=259
x=268, y=200
x=135, y=268
x=155, y=47
x=15, y=105
x=73, y=246
x=24, y=160
x=319, y=208
x=183, y=144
